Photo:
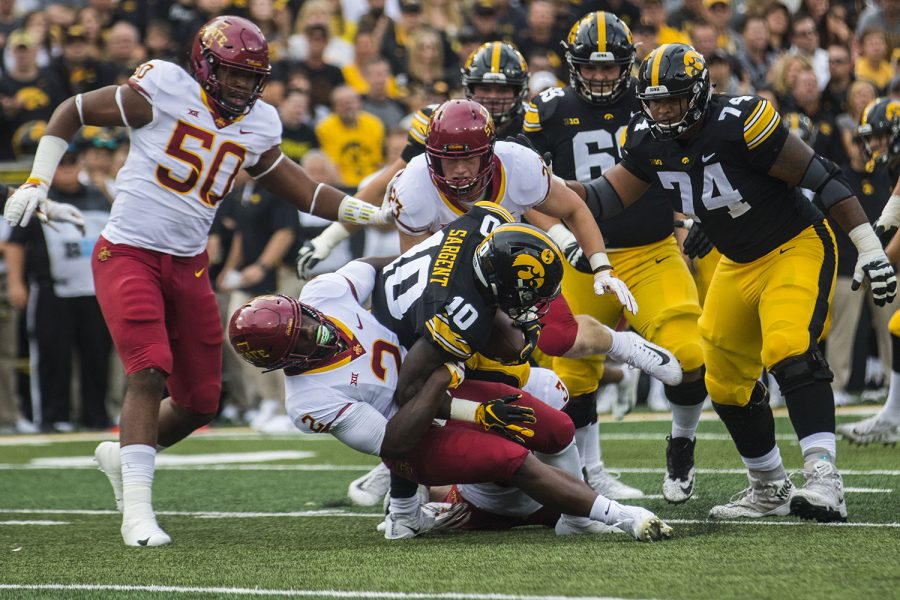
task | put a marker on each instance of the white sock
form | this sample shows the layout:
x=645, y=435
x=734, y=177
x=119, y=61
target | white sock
x=767, y=467
x=404, y=506
x=891, y=409
x=569, y=460
x=138, y=467
x=606, y=511
x=685, y=420
x=819, y=446
x=620, y=346
x=592, y=452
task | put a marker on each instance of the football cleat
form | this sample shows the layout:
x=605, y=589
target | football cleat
x=144, y=533
x=600, y=480
x=760, y=499
x=106, y=455
x=678, y=484
x=822, y=496
x=653, y=360
x=371, y=488
x=430, y=518
x=567, y=525
x=642, y=525
x=626, y=399
x=874, y=430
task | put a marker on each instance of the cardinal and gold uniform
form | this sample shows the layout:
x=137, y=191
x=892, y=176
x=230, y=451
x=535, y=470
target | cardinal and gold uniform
x=769, y=296
x=585, y=141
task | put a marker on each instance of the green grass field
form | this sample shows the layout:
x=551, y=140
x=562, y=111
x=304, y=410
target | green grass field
x=268, y=517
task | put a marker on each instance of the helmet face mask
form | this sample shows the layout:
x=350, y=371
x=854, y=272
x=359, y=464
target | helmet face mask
x=228, y=52
x=521, y=270
x=500, y=65
x=460, y=129
x=279, y=332
x=879, y=131
x=600, y=39
x=674, y=71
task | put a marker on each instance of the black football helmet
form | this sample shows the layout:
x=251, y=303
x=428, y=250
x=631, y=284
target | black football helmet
x=881, y=118
x=600, y=38
x=521, y=268
x=801, y=126
x=674, y=71
x=497, y=63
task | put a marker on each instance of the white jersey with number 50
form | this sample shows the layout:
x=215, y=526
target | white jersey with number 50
x=182, y=163
x=520, y=181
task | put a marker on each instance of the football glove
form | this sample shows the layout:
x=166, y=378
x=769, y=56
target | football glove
x=875, y=266
x=319, y=248
x=29, y=197
x=605, y=282
x=504, y=418
x=696, y=244
x=565, y=239
x=887, y=224
x=60, y=212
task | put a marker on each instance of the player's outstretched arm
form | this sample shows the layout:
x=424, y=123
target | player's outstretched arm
x=414, y=418
x=611, y=193
x=283, y=177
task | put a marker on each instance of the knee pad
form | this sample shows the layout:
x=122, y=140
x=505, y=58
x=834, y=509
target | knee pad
x=752, y=426
x=797, y=372
x=688, y=393
x=582, y=410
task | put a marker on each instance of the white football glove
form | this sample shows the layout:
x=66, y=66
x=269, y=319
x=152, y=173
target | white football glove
x=887, y=224
x=60, y=212
x=875, y=266
x=25, y=201
x=606, y=282
x=319, y=248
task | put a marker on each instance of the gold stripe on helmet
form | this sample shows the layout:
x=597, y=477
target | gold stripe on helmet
x=495, y=57
x=601, y=31
x=654, y=67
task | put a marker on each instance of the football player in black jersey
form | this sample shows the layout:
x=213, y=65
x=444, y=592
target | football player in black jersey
x=729, y=162
x=582, y=127
x=879, y=129
x=496, y=76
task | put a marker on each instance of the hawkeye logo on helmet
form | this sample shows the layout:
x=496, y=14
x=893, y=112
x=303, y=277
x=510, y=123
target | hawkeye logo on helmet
x=693, y=63
x=532, y=271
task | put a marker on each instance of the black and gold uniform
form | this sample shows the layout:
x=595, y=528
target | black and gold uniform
x=769, y=296
x=583, y=129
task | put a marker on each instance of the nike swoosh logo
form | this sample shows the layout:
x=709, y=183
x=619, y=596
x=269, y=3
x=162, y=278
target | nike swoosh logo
x=659, y=260
x=706, y=157
x=783, y=250
x=687, y=489
x=199, y=273
x=662, y=355
x=144, y=542
x=243, y=131
x=359, y=322
x=607, y=508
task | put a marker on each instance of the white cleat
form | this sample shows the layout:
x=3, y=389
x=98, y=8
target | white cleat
x=642, y=525
x=772, y=499
x=600, y=480
x=431, y=518
x=106, y=455
x=822, y=496
x=874, y=430
x=578, y=526
x=678, y=483
x=653, y=360
x=371, y=488
x=626, y=399
x=144, y=533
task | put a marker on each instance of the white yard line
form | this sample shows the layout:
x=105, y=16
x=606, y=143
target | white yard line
x=171, y=589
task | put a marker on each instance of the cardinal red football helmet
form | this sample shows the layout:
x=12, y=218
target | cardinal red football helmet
x=460, y=129
x=266, y=332
x=232, y=43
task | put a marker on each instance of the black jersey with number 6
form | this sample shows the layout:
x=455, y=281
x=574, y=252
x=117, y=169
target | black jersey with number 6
x=584, y=141
x=720, y=176
x=430, y=290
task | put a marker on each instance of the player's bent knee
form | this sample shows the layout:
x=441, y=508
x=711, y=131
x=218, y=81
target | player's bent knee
x=797, y=372
x=582, y=410
x=149, y=381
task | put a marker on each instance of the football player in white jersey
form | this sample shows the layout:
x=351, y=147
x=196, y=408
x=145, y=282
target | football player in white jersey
x=190, y=133
x=342, y=368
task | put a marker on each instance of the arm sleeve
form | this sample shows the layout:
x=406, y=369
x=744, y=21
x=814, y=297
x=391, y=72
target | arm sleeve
x=361, y=427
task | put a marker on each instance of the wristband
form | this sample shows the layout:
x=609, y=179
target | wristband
x=599, y=262
x=864, y=238
x=463, y=410
x=50, y=151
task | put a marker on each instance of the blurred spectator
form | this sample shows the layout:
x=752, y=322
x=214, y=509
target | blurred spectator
x=375, y=21
x=626, y=10
x=467, y=41
x=27, y=93
x=76, y=69
x=9, y=20
x=805, y=42
x=872, y=63
x=509, y=20
x=485, y=20
x=351, y=137
x=50, y=272
x=719, y=14
x=784, y=74
x=298, y=137
x=425, y=58
x=688, y=14
x=273, y=23
x=645, y=36
x=123, y=46
x=365, y=51
x=398, y=35
x=806, y=98
x=816, y=9
x=756, y=57
x=323, y=76
x=98, y=146
x=836, y=30
x=542, y=36
x=704, y=39
x=859, y=95
x=185, y=19
x=767, y=93
x=315, y=15
x=89, y=20
x=653, y=14
x=443, y=15
x=778, y=18
x=894, y=88
x=883, y=15
x=723, y=77
x=377, y=100
x=540, y=81
x=159, y=41
x=38, y=27
x=840, y=76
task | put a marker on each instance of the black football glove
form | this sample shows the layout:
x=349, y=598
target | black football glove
x=506, y=419
x=696, y=244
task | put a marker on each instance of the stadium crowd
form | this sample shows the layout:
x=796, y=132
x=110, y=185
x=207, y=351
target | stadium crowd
x=348, y=79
